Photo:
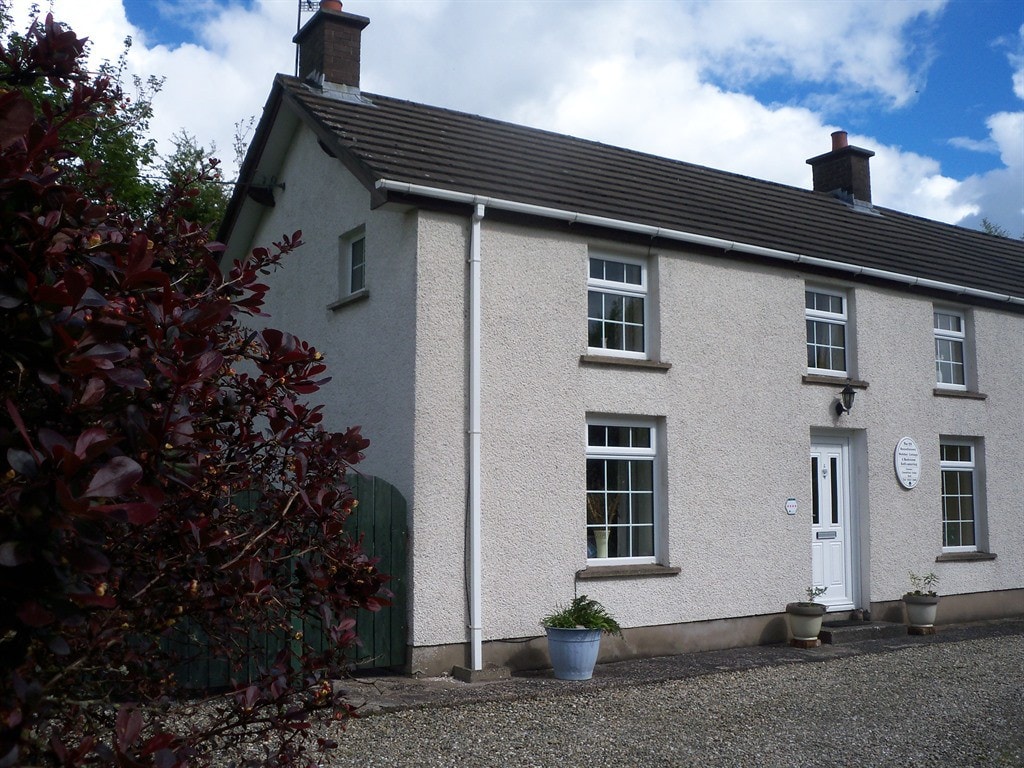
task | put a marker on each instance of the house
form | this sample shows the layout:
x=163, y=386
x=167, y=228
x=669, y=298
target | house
x=687, y=393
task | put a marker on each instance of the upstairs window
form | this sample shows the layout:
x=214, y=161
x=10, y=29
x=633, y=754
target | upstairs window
x=357, y=265
x=621, y=503
x=958, y=465
x=352, y=262
x=617, y=307
x=950, y=335
x=826, y=316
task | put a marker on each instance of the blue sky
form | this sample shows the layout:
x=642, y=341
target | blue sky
x=935, y=88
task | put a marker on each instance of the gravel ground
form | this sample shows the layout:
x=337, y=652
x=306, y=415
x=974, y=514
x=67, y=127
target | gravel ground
x=941, y=704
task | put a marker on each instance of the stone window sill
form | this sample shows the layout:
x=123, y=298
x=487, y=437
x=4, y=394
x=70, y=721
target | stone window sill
x=626, y=362
x=961, y=393
x=352, y=298
x=964, y=557
x=625, y=571
x=833, y=381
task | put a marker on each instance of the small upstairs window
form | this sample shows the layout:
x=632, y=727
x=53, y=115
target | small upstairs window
x=352, y=264
x=357, y=265
x=617, y=307
x=950, y=335
x=826, y=317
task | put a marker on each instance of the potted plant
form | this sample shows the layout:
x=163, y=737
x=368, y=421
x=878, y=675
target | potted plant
x=805, y=616
x=922, y=601
x=574, y=637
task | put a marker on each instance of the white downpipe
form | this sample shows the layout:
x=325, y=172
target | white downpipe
x=475, y=397
x=690, y=237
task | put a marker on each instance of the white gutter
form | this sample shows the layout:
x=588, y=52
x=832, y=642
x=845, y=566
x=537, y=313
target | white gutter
x=689, y=237
x=475, y=397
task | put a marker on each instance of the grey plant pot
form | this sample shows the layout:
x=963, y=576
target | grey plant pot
x=921, y=609
x=805, y=620
x=573, y=652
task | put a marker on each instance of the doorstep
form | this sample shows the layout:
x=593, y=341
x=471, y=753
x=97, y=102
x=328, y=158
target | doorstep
x=838, y=632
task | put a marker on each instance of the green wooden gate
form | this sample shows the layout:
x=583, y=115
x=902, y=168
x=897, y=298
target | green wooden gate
x=380, y=522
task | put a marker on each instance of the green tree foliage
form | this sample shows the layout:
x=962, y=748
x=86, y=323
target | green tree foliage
x=137, y=411
x=995, y=229
x=193, y=168
x=109, y=150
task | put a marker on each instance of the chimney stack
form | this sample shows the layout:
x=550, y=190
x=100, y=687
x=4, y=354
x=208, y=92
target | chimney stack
x=845, y=169
x=329, y=46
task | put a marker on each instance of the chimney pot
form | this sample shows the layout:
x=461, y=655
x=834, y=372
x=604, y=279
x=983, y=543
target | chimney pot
x=330, y=5
x=839, y=140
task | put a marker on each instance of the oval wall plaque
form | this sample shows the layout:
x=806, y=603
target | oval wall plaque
x=907, y=461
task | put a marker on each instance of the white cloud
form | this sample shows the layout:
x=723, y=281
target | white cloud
x=664, y=77
x=1017, y=63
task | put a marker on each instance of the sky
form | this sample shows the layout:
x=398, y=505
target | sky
x=934, y=87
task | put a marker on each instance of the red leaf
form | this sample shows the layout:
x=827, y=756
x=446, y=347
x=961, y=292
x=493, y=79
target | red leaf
x=136, y=513
x=129, y=726
x=34, y=615
x=89, y=438
x=88, y=598
x=93, y=393
x=115, y=478
x=16, y=117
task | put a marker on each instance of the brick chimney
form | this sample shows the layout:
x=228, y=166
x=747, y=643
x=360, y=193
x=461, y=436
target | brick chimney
x=845, y=170
x=329, y=46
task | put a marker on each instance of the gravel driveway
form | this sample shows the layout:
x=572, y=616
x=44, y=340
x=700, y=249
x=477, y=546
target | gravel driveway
x=946, y=704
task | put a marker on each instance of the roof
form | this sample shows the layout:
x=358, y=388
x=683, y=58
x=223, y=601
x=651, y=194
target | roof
x=383, y=138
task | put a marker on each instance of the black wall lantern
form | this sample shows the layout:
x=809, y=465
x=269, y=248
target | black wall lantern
x=845, y=400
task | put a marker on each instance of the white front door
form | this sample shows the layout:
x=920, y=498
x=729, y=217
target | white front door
x=831, y=560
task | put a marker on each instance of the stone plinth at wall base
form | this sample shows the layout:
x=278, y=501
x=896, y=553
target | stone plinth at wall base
x=489, y=674
x=920, y=630
x=812, y=643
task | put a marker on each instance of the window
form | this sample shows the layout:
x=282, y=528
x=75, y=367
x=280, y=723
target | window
x=617, y=307
x=826, y=332
x=959, y=469
x=357, y=265
x=621, y=499
x=949, y=349
x=352, y=262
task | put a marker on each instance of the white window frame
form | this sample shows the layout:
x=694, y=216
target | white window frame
x=653, y=454
x=943, y=335
x=346, y=265
x=832, y=318
x=624, y=289
x=973, y=467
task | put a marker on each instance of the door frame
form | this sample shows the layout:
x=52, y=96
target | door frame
x=848, y=445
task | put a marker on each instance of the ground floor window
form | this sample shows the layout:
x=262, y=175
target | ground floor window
x=621, y=499
x=959, y=467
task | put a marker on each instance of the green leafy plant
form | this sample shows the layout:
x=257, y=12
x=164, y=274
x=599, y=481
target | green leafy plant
x=582, y=613
x=923, y=585
x=812, y=594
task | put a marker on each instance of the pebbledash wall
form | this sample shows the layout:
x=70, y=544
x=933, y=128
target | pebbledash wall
x=735, y=414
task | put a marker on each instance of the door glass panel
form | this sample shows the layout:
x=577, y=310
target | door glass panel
x=834, y=470
x=814, y=490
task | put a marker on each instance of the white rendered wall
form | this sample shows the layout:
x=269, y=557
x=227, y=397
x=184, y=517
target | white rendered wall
x=369, y=344
x=737, y=416
x=738, y=421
